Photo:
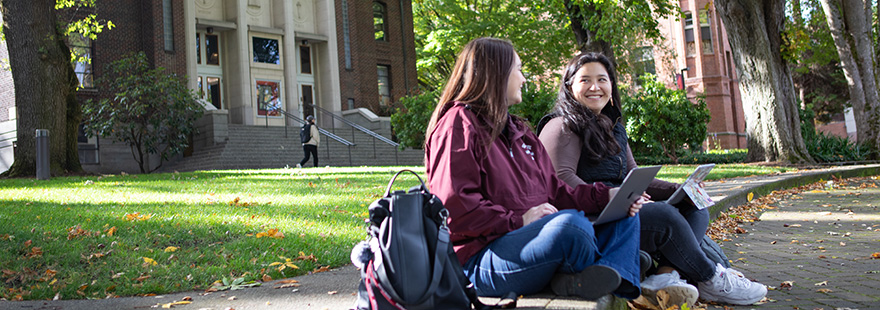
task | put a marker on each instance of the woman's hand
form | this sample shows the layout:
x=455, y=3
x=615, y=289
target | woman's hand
x=637, y=205
x=537, y=212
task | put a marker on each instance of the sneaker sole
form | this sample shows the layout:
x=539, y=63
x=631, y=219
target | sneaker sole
x=725, y=299
x=591, y=283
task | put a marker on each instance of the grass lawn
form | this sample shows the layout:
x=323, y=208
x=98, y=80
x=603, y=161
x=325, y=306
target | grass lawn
x=123, y=235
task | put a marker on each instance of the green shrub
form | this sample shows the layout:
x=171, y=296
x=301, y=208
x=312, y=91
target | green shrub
x=537, y=101
x=411, y=122
x=827, y=148
x=151, y=111
x=661, y=121
x=731, y=156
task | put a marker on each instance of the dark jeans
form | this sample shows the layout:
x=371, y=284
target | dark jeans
x=674, y=234
x=524, y=260
x=312, y=150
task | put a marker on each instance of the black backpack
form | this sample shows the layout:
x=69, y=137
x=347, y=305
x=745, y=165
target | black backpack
x=408, y=262
x=305, y=133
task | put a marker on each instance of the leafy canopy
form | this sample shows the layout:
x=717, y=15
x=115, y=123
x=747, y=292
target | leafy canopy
x=151, y=111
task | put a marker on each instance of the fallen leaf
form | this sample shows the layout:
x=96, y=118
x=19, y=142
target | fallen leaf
x=773, y=242
x=286, y=285
x=787, y=284
x=321, y=269
x=823, y=283
x=875, y=255
x=750, y=196
x=142, y=278
x=286, y=281
x=332, y=292
x=187, y=298
x=266, y=278
x=824, y=290
x=232, y=298
x=110, y=232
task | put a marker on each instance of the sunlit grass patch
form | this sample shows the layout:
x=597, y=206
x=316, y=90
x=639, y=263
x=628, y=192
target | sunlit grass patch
x=105, y=236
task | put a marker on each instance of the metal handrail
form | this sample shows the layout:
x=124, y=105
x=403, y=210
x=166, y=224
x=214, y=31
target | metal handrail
x=356, y=126
x=321, y=130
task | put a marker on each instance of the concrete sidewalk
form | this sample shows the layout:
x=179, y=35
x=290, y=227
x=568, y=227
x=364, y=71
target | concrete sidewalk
x=799, y=242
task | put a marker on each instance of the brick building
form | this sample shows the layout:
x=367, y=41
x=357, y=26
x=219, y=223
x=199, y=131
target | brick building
x=248, y=58
x=696, y=56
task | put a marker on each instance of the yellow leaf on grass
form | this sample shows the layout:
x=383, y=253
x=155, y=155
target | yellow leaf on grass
x=111, y=231
x=150, y=261
x=275, y=264
x=171, y=249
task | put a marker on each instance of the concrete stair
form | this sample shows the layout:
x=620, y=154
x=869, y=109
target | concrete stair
x=255, y=147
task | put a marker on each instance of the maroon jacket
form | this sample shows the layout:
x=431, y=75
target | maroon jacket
x=487, y=190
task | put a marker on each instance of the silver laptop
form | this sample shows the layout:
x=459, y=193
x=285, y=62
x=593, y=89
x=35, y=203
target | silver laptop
x=635, y=183
x=694, y=179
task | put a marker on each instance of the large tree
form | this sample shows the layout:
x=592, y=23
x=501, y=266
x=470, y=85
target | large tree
x=45, y=85
x=850, y=23
x=44, y=79
x=754, y=29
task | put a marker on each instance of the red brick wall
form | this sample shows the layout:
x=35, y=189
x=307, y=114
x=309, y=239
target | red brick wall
x=138, y=27
x=361, y=81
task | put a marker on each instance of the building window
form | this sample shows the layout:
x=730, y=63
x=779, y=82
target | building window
x=212, y=49
x=379, y=27
x=305, y=59
x=266, y=51
x=167, y=23
x=81, y=51
x=705, y=32
x=199, y=48
x=384, y=85
x=213, y=92
x=268, y=98
x=690, y=47
x=644, y=62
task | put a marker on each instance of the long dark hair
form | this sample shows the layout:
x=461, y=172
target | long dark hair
x=479, y=79
x=595, y=130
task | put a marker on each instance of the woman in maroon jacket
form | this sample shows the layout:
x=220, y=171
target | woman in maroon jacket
x=515, y=226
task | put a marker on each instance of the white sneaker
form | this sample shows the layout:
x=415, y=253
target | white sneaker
x=299, y=166
x=678, y=292
x=731, y=287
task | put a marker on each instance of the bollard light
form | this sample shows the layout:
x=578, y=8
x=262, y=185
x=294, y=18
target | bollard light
x=42, y=154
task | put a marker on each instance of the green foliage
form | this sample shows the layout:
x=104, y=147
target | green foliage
x=661, y=121
x=411, y=122
x=808, y=46
x=537, y=101
x=152, y=111
x=828, y=148
x=539, y=30
x=731, y=156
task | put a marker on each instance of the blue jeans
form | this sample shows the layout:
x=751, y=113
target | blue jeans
x=674, y=233
x=524, y=260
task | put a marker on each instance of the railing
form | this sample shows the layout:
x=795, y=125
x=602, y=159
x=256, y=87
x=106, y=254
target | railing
x=323, y=131
x=362, y=129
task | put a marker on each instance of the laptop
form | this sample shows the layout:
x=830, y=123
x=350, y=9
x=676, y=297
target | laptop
x=692, y=181
x=635, y=183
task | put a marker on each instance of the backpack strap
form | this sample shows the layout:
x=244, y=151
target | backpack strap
x=543, y=122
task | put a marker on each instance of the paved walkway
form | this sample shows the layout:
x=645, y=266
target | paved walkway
x=815, y=248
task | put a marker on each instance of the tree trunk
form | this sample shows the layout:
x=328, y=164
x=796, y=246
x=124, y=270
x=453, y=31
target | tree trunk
x=852, y=38
x=772, y=122
x=45, y=86
x=857, y=16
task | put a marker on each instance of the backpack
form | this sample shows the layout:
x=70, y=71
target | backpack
x=305, y=133
x=408, y=261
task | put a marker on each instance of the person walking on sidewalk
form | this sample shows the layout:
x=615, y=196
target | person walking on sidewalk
x=587, y=143
x=515, y=226
x=310, y=139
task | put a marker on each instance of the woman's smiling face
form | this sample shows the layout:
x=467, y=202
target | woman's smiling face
x=591, y=86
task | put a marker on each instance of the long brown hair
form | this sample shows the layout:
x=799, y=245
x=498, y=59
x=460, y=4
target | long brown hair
x=595, y=130
x=479, y=79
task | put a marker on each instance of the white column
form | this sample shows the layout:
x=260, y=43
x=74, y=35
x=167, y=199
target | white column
x=189, y=26
x=290, y=61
